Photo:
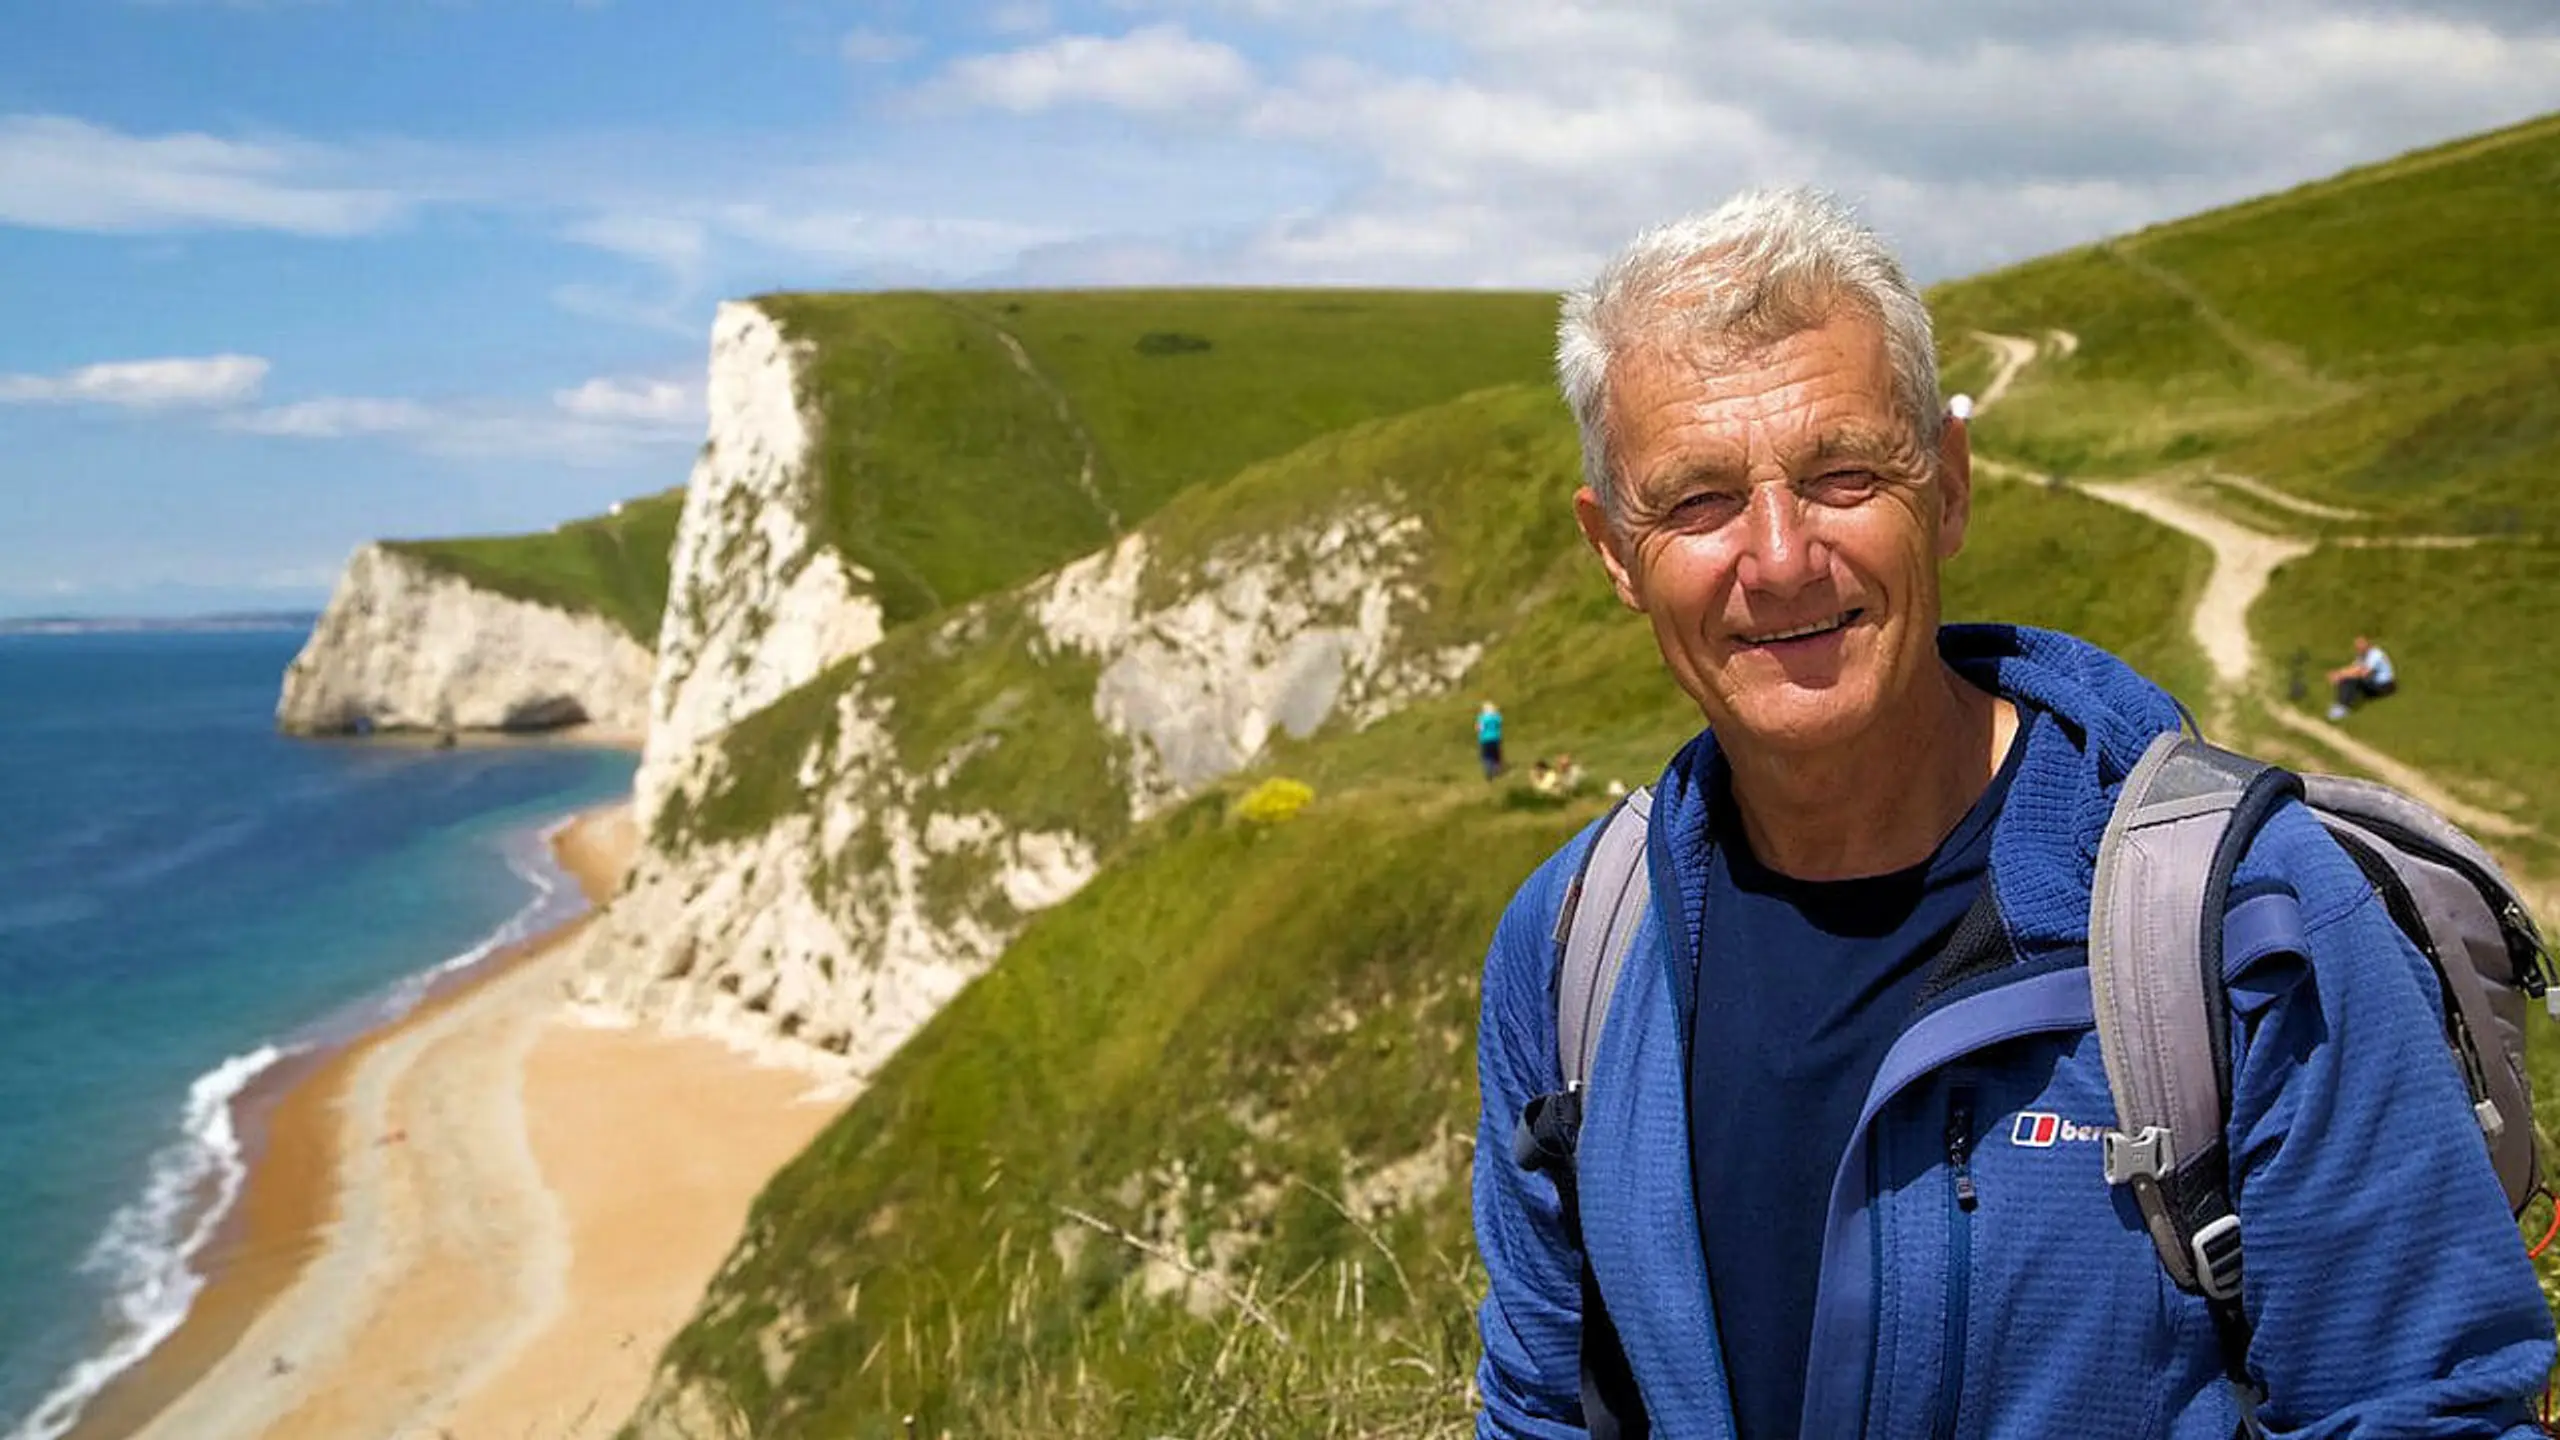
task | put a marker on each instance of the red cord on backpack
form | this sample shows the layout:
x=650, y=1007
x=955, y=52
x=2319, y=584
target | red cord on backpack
x=2548, y=1235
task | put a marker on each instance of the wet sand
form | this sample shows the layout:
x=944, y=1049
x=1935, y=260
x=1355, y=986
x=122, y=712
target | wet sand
x=483, y=1221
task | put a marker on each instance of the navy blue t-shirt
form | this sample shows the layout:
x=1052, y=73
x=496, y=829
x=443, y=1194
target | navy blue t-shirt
x=1802, y=987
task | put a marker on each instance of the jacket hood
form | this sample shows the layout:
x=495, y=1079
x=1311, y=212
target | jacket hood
x=2088, y=716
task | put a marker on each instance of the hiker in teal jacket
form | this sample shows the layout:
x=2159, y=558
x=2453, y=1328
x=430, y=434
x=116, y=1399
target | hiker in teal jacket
x=1837, y=1170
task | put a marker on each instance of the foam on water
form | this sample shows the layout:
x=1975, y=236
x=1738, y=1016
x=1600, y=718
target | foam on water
x=148, y=1251
x=147, y=1255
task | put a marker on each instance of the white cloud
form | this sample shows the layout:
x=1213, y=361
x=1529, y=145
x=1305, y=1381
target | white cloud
x=144, y=384
x=1158, y=69
x=58, y=173
x=601, y=422
x=333, y=417
x=1022, y=17
x=642, y=402
x=951, y=245
x=1539, y=135
x=877, y=47
x=672, y=242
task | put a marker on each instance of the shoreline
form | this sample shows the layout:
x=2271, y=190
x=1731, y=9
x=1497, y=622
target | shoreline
x=292, y=1146
x=484, y=1218
x=585, y=735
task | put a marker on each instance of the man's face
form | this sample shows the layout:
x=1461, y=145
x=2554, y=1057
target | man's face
x=1781, y=528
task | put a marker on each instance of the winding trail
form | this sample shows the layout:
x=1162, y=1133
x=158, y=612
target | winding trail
x=2261, y=490
x=2014, y=353
x=2244, y=560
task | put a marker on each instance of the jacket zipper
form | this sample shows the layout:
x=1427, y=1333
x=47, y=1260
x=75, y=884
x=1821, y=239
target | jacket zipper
x=1962, y=1197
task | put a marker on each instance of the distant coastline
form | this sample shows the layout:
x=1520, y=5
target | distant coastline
x=158, y=624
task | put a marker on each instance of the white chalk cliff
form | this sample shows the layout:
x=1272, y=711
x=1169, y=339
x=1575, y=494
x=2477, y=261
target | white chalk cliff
x=405, y=646
x=757, y=603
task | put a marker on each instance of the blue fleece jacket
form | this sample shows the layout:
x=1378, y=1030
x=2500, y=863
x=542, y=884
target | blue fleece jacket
x=2387, y=1286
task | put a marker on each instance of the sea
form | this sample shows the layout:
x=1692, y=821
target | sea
x=186, y=898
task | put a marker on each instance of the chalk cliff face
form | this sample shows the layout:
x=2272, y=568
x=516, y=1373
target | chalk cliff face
x=827, y=936
x=757, y=602
x=403, y=646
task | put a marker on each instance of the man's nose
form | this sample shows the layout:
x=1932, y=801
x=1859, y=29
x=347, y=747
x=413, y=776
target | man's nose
x=1780, y=554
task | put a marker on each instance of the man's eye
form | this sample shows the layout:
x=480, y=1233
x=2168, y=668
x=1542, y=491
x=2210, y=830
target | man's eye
x=1836, y=486
x=1705, y=507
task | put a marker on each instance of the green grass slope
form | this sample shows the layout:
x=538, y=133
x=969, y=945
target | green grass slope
x=2481, y=661
x=2383, y=341
x=969, y=441
x=612, y=565
x=1192, y=1157
x=2385, y=344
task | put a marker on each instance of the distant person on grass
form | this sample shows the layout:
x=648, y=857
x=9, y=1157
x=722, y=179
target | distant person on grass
x=1837, y=1164
x=1489, y=739
x=2367, y=677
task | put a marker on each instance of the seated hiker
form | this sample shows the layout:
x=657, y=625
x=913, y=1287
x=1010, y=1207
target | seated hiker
x=2369, y=678
x=1542, y=777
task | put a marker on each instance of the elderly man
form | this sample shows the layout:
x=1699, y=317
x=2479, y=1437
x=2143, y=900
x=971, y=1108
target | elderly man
x=1816, y=1191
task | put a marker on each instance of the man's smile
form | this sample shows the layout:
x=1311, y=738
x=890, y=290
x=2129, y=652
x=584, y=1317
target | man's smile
x=1795, y=634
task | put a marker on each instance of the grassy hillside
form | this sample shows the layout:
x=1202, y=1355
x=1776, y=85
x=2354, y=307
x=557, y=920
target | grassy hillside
x=613, y=565
x=2476, y=710
x=968, y=441
x=2381, y=341
x=2384, y=345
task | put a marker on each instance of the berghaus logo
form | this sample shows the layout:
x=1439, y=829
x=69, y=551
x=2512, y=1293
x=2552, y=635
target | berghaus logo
x=2042, y=1130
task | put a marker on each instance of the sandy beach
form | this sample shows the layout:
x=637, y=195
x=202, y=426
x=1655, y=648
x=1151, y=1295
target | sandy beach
x=485, y=1220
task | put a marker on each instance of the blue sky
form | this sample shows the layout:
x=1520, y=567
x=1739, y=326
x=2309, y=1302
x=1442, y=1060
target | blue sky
x=278, y=276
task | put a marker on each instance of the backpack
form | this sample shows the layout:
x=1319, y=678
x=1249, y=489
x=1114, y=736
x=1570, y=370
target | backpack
x=2185, y=816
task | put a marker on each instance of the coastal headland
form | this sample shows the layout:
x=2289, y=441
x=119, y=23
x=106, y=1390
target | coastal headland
x=485, y=1219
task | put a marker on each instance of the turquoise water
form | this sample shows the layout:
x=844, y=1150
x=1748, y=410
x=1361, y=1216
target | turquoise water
x=184, y=896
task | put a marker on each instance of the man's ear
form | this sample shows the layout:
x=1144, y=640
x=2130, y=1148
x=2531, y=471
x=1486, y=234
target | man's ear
x=1604, y=542
x=1955, y=486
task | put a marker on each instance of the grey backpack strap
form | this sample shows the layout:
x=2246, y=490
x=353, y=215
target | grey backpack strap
x=1595, y=929
x=2181, y=823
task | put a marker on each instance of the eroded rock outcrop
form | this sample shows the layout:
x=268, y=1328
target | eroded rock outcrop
x=757, y=602
x=405, y=646
x=899, y=864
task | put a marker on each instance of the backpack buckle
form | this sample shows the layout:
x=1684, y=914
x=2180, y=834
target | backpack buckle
x=2216, y=1253
x=2145, y=1153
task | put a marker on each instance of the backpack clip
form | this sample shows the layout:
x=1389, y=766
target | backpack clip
x=2216, y=1254
x=2144, y=1154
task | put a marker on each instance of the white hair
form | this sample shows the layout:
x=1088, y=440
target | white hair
x=1764, y=265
